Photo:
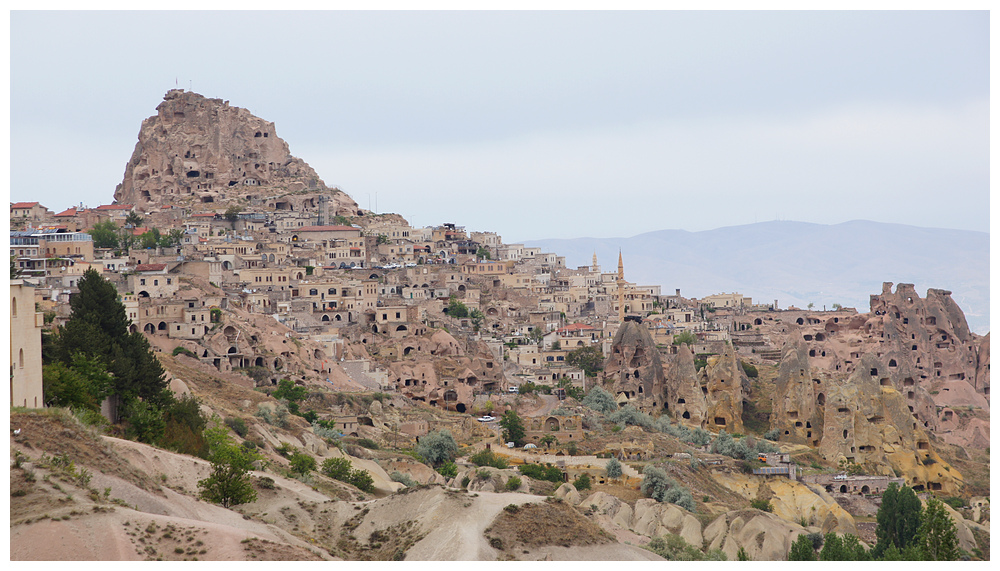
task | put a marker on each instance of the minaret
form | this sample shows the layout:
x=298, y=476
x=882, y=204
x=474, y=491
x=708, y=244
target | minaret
x=594, y=267
x=621, y=288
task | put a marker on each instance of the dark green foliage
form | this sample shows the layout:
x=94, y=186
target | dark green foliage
x=547, y=472
x=582, y=482
x=98, y=329
x=629, y=415
x=448, y=470
x=749, y=369
x=289, y=391
x=488, y=458
x=311, y=416
x=937, y=538
x=613, y=468
x=302, y=463
x=482, y=253
x=361, y=480
x=104, y=234
x=685, y=337
x=513, y=428
x=456, y=308
x=848, y=548
x=727, y=445
x=802, y=549
x=954, y=502
x=513, y=483
x=762, y=505
x=898, y=519
x=83, y=384
x=182, y=350
x=437, y=447
x=230, y=482
x=600, y=400
x=145, y=422
x=185, y=426
x=590, y=359
x=368, y=443
x=337, y=468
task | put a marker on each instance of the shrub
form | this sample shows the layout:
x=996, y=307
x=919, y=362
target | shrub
x=362, y=480
x=238, y=425
x=302, y=463
x=613, y=468
x=582, y=482
x=368, y=443
x=511, y=508
x=513, y=483
x=538, y=472
x=772, y=434
x=955, y=503
x=279, y=417
x=600, y=400
x=402, y=478
x=465, y=481
x=182, y=350
x=629, y=415
x=762, y=505
x=325, y=431
x=662, y=488
x=437, y=447
x=265, y=483
x=448, y=470
x=749, y=369
x=488, y=458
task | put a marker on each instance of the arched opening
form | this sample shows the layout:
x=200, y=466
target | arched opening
x=892, y=362
x=132, y=328
x=325, y=318
x=162, y=326
x=460, y=407
x=258, y=362
x=686, y=415
x=551, y=424
x=401, y=328
x=317, y=354
x=843, y=488
x=149, y=328
x=232, y=350
x=865, y=490
x=821, y=399
x=143, y=293
x=799, y=321
x=13, y=307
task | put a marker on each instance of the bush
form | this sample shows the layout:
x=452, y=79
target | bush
x=672, y=547
x=488, y=458
x=538, y=472
x=511, y=508
x=772, y=434
x=629, y=415
x=437, y=447
x=302, y=463
x=613, y=468
x=600, y=400
x=368, y=443
x=448, y=470
x=325, y=431
x=513, y=483
x=182, y=350
x=402, y=478
x=265, y=483
x=955, y=503
x=279, y=417
x=465, y=482
x=749, y=369
x=662, y=488
x=337, y=468
x=362, y=480
x=762, y=505
x=582, y=482
x=237, y=425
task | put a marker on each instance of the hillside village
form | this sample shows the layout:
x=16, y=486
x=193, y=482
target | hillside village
x=242, y=269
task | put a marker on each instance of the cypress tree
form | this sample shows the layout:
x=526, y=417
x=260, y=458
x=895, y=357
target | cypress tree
x=898, y=519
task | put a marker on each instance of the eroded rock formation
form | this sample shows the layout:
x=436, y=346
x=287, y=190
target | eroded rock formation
x=197, y=150
x=635, y=369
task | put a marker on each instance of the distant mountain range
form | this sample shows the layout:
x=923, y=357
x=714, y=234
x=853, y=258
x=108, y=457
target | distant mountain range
x=797, y=263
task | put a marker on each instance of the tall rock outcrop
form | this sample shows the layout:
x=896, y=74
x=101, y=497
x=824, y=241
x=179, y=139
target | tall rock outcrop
x=635, y=368
x=686, y=399
x=201, y=151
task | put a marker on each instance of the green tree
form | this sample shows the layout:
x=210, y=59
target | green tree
x=600, y=400
x=547, y=440
x=809, y=306
x=833, y=548
x=802, y=549
x=230, y=482
x=477, y=318
x=897, y=520
x=302, y=463
x=590, y=359
x=337, y=468
x=233, y=214
x=483, y=254
x=457, y=309
x=685, y=337
x=937, y=538
x=437, y=447
x=513, y=428
x=582, y=482
x=134, y=219
x=185, y=426
x=381, y=239
x=84, y=383
x=362, y=480
x=150, y=239
x=289, y=391
x=104, y=234
x=98, y=329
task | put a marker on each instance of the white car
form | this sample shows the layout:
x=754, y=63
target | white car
x=486, y=419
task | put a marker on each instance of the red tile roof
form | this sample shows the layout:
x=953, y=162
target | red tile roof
x=575, y=327
x=203, y=215
x=150, y=267
x=68, y=212
x=114, y=207
x=23, y=204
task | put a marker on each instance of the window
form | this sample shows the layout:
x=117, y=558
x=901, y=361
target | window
x=169, y=281
x=142, y=281
x=156, y=282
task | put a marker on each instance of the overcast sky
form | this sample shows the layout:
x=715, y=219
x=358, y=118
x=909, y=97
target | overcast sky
x=540, y=124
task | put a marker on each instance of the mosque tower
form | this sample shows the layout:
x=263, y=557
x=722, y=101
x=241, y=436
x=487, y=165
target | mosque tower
x=621, y=288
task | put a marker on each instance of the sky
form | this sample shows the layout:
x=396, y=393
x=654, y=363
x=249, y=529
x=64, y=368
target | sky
x=539, y=124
